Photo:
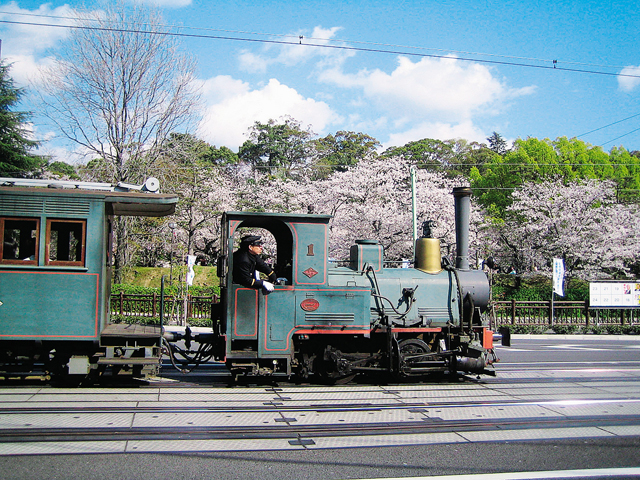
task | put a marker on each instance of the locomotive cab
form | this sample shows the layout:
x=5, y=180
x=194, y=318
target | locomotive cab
x=259, y=329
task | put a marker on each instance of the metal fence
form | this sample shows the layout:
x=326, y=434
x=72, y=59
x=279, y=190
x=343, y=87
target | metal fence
x=511, y=312
x=147, y=307
x=570, y=313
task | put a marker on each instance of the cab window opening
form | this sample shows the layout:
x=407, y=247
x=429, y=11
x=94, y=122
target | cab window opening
x=66, y=242
x=277, y=250
x=19, y=240
x=269, y=249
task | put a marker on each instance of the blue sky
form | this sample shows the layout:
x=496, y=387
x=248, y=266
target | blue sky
x=497, y=74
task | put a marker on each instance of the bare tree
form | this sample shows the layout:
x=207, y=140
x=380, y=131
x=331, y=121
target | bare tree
x=118, y=87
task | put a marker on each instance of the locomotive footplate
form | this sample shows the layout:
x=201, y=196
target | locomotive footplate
x=132, y=349
x=120, y=331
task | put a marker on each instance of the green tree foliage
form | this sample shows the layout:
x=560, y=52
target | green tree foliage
x=454, y=157
x=186, y=149
x=221, y=156
x=497, y=144
x=277, y=147
x=340, y=151
x=427, y=152
x=63, y=169
x=534, y=160
x=627, y=174
x=15, y=144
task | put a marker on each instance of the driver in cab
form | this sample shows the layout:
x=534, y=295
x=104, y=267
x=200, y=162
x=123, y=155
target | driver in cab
x=248, y=262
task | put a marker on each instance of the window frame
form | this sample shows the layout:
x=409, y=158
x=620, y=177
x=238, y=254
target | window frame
x=83, y=244
x=12, y=261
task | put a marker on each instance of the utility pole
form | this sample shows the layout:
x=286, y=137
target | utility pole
x=414, y=210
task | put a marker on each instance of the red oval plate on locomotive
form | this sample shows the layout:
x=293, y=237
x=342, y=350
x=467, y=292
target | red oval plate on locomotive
x=309, y=305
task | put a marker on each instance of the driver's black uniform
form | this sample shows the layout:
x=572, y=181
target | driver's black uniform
x=245, y=265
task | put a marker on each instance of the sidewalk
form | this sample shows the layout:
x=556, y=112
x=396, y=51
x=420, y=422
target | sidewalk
x=543, y=336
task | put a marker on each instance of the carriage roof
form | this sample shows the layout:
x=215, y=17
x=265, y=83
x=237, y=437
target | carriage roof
x=117, y=201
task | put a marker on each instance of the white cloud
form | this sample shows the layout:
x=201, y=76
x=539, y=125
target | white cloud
x=26, y=68
x=249, y=62
x=233, y=107
x=23, y=44
x=296, y=54
x=299, y=53
x=217, y=89
x=21, y=39
x=444, y=88
x=628, y=83
x=58, y=153
x=443, y=131
x=430, y=98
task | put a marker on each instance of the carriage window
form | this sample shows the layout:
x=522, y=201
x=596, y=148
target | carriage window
x=19, y=240
x=65, y=242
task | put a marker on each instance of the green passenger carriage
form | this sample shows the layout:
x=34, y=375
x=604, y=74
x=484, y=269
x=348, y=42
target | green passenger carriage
x=55, y=275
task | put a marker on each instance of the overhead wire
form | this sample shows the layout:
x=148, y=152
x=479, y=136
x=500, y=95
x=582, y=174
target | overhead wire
x=555, y=65
x=609, y=125
x=299, y=37
x=298, y=40
x=621, y=136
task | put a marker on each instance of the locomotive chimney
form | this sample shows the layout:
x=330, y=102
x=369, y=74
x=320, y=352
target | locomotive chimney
x=462, y=209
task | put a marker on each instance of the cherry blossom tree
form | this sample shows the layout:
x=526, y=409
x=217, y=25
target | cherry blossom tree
x=373, y=200
x=580, y=222
x=204, y=189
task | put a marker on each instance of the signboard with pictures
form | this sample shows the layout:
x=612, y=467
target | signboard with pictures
x=614, y=294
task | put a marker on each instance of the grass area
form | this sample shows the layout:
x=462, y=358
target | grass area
x=150, y=277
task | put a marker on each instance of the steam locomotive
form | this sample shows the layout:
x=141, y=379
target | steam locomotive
x=322, y=320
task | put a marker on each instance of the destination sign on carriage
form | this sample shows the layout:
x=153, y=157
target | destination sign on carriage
x=614, y=294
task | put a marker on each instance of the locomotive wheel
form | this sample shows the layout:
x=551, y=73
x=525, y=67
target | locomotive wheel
x=408, y=347
x=413, y=346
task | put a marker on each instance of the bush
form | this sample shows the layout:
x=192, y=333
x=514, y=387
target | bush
x=526, y=329
x=133, y=320
x=596, y=329
x=177, y=290
x=535, y=288
x=566, y=329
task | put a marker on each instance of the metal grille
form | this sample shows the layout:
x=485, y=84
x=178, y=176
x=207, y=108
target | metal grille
x=329, y=317
x=67, y=206
x=433, y=312
x=19, y=205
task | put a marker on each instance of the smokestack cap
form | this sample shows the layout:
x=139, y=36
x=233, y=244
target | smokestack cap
x=461, y=191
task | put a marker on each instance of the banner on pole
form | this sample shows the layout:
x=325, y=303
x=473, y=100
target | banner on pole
x=191, y=261
x=558, y=276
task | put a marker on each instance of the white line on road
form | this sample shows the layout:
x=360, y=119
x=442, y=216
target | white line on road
x=597, y=472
